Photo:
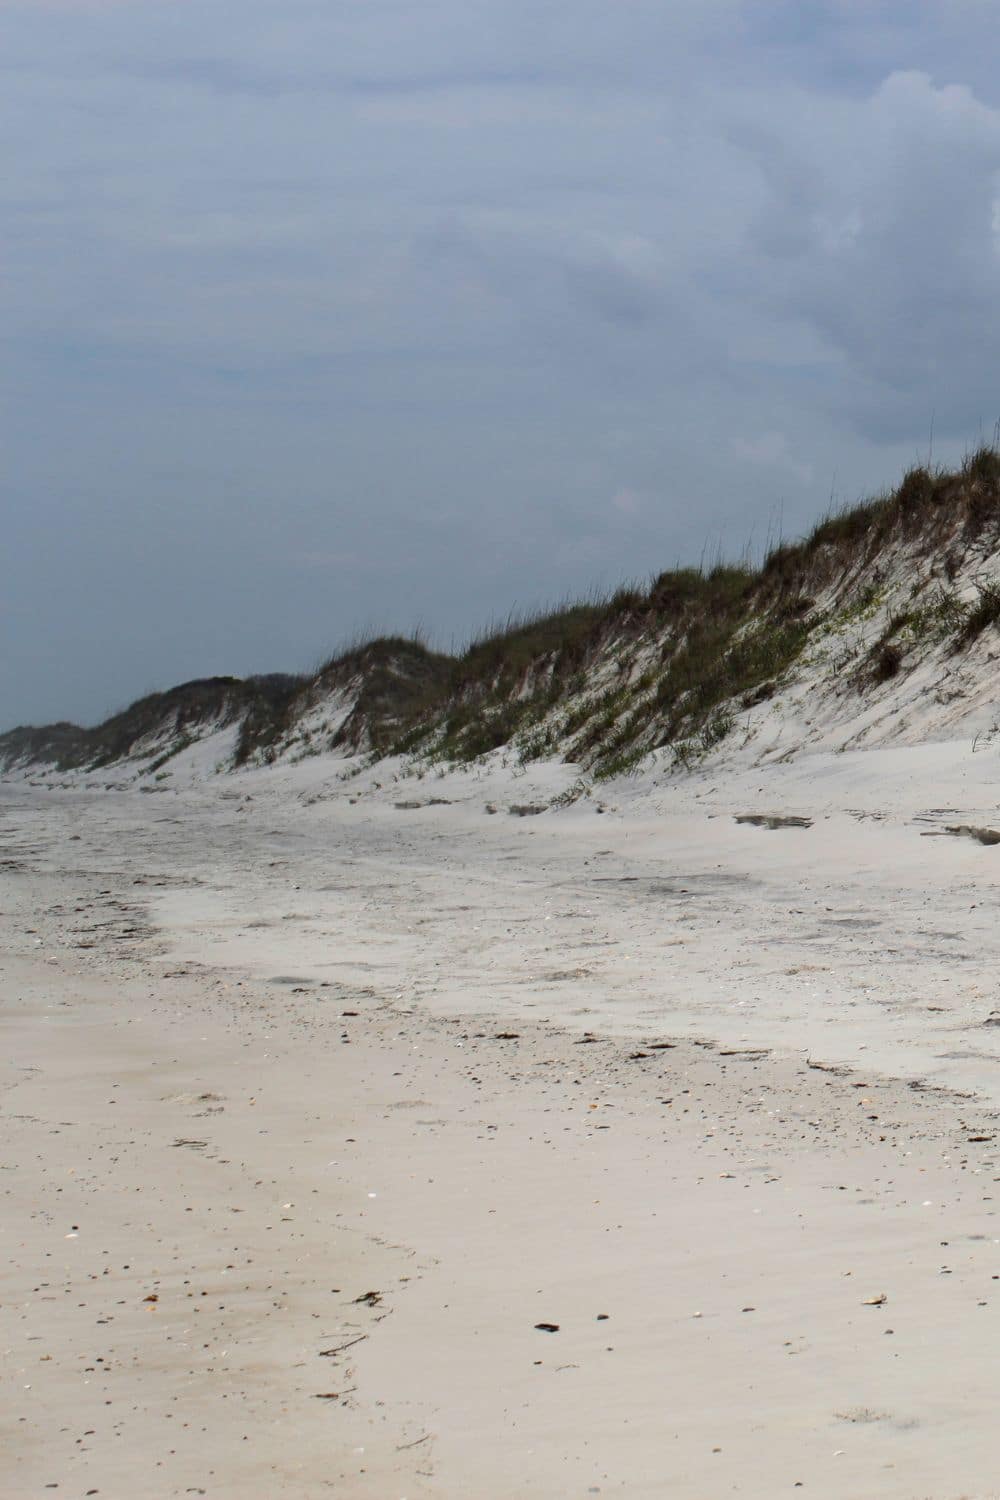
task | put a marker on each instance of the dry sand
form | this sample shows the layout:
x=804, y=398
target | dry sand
x=314, y=1108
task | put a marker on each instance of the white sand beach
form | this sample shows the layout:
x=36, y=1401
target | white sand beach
x=370, y=1150
x=500, y=751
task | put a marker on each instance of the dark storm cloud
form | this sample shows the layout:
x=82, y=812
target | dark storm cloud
x=332, y=314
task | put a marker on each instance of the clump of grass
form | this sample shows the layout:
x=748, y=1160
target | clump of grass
x=507, y=650
x=723, y=661
x=888, y=660
x=982, y=467
x=468, y=735
x=599, y=719
x=916, y=490
x=899, y=621
x=927, y=501
x=580, y=788
x=534, y=744
x=508, y=681
x=621, y=762
x=391, y=676
x=980, y=615
x=940, y=617
x=268, y=715
x=184, y=743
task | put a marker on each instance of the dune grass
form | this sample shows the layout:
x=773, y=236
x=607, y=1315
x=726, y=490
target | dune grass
x=604, y=678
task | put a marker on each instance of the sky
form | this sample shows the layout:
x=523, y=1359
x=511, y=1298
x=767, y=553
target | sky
x=328, y=316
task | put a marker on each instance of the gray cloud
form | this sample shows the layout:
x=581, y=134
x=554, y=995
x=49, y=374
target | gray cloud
x=330, y=314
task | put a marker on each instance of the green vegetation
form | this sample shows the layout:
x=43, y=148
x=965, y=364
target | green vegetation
x=184, y=743
x=978, y=616
x=604, y=680
x=724, y=637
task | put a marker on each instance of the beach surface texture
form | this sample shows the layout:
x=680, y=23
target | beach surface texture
x=364, y=1138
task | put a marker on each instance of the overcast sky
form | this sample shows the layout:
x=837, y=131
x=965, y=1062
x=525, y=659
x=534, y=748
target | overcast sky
x=322, y=315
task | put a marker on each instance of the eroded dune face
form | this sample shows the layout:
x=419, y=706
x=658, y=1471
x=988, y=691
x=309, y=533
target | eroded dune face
x=878, y=629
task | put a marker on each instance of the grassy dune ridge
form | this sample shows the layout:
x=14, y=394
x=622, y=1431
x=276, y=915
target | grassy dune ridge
x=604, y=681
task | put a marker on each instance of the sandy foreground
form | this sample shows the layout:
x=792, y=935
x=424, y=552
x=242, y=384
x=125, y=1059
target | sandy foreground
x=315, y=1107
